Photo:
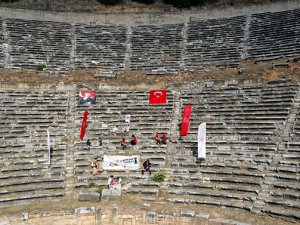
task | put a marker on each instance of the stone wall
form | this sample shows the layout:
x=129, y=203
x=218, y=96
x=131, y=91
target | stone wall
x=114, y=215
x=146, y=18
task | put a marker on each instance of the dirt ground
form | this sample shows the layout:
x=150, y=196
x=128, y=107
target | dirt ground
x=67, y=205
x=139, y=79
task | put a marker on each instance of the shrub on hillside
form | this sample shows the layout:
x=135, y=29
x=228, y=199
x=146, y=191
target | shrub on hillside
x=188, y=3
x=41, y=67
x=159, y=177
x=145, y=1
x=110, y=2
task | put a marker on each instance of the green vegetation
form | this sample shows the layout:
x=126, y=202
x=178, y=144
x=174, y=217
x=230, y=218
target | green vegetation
x=41, y=67
x=148, y=2
x=91, y=184
x=9, y=1
x=110, y=2
x=99, y=190
x=188, y=3
x=159, y=177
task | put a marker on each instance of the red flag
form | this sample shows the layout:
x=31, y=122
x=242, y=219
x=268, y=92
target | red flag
x=186, y=120
x=87, y=94
x=83, y=125
x=158, y=97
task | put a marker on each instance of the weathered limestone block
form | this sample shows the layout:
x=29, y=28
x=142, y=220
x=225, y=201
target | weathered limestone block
x=150, y=217
x=85, y=195
x=110, y=194
x=84, y=210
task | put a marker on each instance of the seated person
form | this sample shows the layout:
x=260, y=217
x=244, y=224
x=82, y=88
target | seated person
x=88, y=144
x=94, y=170
x=163, y=139
x=126, y=130
x=100, y=141
x=111, y=182
x=116, y=130
x=157, y=139
x=118, y=183
x=133, y=140
x=123, y=144
x=146, y=167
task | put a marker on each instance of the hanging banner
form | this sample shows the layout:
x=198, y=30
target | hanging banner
x=118, y=162
x=202, y=140
x=186, y=120
x=87, y=96
x=83, y=125
x=158, y=97
x=49, y=147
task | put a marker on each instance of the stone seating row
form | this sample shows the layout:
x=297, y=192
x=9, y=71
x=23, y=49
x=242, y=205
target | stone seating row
x=161, y=49
x=156, y=46
x=25, y=174
x=35, y=43
x=145, y=121
x=274, y=35
x=214, y=42
x=100, y=46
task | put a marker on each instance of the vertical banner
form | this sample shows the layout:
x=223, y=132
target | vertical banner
x=202, y=140
x=186, y=120
x=49, y=147
x=83, y=125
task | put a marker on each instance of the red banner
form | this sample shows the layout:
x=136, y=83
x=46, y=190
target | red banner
x=158, y=97
x=87, y=94
x=186, y=120
x=83, y=125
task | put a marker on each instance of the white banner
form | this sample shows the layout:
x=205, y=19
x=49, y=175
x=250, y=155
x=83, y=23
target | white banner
x=202, y=140
x=49, y=147
x=118, y=162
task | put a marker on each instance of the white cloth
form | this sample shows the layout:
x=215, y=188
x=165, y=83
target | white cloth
x=127, y=118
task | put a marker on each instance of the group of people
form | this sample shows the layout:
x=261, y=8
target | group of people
x=132, y=142
x=161, y=139
x=114, y=183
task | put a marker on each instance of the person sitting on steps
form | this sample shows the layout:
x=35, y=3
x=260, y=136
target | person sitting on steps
x=157, y=139
x=163, y=139
x=146, y=167
x=88, y=144
x=123, y=144
x=133, y=140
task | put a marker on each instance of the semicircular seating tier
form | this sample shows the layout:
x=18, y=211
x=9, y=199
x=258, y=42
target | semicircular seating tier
x=253, y=144
x=159, y=49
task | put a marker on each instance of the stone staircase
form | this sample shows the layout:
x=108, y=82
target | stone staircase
x=251, y=162
x=160, y=49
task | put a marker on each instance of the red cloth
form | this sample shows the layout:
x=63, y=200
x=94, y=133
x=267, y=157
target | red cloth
x=123, y=142
x=164, y=137
x=83, y=125
x=156, y=138
x=158, y=97
x=186, y=120
x=87, y=94
x=134, y=140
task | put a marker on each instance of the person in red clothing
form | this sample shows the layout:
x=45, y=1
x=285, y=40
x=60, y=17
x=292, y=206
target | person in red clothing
x=163, y=139
x=123, y=144
x=157, y=139
x=133, y=140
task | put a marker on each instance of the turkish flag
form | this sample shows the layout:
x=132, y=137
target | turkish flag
x=158, y=97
